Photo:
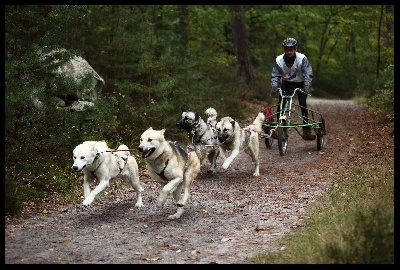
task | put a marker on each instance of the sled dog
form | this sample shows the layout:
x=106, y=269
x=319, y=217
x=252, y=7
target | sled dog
x=95, y=161
x=202, y=135
x=232, y=137
x=170, y=165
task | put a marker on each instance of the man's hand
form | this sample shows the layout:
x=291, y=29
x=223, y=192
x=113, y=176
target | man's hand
x=306, y=89
x=274, y=89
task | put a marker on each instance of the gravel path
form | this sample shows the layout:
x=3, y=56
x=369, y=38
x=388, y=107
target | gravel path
x=230, y=216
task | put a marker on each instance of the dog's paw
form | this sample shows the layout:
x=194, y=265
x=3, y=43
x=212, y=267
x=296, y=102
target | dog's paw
x=139, y=204
x=161, y=199
x=87, y=201
x=174, y=216
x=256, y=174
x=177, y=215
x=225, y=166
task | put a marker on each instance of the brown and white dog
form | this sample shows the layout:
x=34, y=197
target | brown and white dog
x=169, y=164
x=232, y=137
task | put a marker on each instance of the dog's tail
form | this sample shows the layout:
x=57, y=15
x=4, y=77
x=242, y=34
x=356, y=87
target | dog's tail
x=123, y=154
x=212, y=116
x=211, y=112
x=257, y=123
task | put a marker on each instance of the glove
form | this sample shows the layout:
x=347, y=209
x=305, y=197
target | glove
x=306, y=89
x=274, y=89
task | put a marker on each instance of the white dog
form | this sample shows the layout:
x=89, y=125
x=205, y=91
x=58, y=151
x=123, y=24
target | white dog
x=232, y=137
x=96, y=160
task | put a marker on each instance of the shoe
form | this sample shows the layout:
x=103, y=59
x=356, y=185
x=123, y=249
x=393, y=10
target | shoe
x=307, y=135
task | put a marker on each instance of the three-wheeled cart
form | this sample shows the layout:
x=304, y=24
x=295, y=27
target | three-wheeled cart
x=277, y=123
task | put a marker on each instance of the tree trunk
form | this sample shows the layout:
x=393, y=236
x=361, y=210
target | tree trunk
x=240, y=43
x=378, y=61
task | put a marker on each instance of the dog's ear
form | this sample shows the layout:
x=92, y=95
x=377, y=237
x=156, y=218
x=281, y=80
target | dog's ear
x=183, y=109
x=233, y=125
x=163, y=131
x=150, y=128
x=196, y=115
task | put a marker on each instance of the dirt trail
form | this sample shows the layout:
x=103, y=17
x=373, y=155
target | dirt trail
x=230, y=216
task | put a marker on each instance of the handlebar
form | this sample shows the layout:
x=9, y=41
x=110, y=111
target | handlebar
x=294, y=92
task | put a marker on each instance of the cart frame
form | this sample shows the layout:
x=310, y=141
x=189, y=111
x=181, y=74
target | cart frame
x=285, y=121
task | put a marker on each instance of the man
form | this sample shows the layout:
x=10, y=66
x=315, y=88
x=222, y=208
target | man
x=293, y=70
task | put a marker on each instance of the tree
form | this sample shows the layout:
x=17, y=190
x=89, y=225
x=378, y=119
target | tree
x=240, y=41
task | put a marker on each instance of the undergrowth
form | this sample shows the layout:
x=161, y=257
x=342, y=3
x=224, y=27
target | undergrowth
x=352, y=223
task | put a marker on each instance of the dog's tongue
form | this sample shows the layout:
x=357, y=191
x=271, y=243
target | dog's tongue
x=144, y=154
x=147, y=153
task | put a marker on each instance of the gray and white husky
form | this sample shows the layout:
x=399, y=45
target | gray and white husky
x=202, y=135
x=232, y=137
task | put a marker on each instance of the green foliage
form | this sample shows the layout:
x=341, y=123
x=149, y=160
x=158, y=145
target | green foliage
x=351, y=223
x=370, y=241
x=13, y=199
x=383, y=100
x=157, y=58
x=34, y=181
x=39, y=148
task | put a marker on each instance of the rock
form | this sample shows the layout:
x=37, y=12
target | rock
x=81, y=105
x=77, y=68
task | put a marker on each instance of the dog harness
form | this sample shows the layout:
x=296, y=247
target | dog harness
x=162, y=173
x=120, y=169
x=125, y=161
x=175, y=147
x=199, y=141
x=97, y=156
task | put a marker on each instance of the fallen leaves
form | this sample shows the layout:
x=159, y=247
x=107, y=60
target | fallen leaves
x=230, y=214
x=225, y=239
x=152, y=259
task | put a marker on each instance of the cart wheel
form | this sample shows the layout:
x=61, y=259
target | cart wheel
x=268, y=141
x=323, y=129
x=282, y=140
x=320, y=139
x=320, y=135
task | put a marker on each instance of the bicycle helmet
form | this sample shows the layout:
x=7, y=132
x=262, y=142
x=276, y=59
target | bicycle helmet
x=289, y=42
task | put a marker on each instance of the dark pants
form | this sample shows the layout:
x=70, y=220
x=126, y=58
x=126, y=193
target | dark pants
x=288, y=88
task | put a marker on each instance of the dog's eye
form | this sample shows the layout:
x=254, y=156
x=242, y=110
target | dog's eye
x=149, y=140
x=186, y=118
x=74, y=157
x=225, y=129
x=140, y=139
x=82, y=157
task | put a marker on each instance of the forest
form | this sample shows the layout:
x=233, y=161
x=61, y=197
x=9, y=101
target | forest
x=156, y=58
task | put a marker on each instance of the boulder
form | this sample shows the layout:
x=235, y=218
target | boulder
x=77, y=68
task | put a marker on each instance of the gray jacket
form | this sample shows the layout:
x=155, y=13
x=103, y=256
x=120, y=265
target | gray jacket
x=300, y=71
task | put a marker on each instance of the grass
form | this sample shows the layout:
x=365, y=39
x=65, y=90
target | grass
x=353, y=223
